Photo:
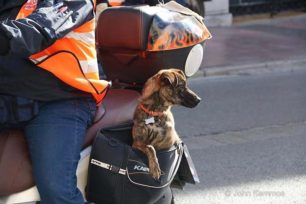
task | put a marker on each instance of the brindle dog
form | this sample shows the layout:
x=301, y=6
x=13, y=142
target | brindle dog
x=153, y=121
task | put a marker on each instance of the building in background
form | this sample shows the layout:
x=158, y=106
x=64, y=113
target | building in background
x=217, y=13
x=220, y=12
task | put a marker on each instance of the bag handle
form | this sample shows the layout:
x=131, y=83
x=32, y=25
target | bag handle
x=180, y=149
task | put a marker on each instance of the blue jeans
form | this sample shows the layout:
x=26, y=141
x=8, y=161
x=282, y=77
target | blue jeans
x=55, y=137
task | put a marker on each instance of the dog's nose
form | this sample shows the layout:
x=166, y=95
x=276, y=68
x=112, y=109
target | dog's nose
x=196, y=101
x=190, y=99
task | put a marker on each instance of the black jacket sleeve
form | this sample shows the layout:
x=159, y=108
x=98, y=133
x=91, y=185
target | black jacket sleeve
x=5, y=45
x=50, y=21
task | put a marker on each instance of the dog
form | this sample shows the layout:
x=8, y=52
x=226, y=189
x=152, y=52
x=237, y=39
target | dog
x=153, y=127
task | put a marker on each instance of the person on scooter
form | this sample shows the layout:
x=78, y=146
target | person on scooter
x=50, y=86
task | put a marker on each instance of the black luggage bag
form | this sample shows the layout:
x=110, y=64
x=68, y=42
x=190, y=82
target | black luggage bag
x=119, y=174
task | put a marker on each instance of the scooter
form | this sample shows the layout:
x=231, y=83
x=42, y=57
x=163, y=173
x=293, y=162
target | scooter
x=127, y=63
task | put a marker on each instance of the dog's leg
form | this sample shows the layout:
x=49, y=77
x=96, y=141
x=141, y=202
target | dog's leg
x=153, y=162
x=150, y=152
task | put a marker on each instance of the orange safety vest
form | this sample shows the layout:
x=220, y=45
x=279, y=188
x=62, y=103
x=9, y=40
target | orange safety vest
x=72, y=58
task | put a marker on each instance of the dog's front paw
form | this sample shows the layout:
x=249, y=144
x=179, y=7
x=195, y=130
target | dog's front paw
x=155, y=170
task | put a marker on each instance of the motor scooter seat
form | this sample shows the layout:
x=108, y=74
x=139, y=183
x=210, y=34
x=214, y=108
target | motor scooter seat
x=15, y=165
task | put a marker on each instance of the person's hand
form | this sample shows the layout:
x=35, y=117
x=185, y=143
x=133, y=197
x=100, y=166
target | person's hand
x=51, y=17
x=49, y=22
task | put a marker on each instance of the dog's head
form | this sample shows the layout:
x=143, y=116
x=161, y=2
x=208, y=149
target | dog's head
x=171, y=86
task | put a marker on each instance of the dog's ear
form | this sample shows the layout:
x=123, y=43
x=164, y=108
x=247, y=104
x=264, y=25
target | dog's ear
x=151, y=86
x=172, y=76
x=180, y=72
x=165, y=79
x=168, y=78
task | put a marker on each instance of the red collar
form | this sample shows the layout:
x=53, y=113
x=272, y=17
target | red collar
x=151, y=113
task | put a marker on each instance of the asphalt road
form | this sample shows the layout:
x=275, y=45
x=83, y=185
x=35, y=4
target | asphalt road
x=247, y=139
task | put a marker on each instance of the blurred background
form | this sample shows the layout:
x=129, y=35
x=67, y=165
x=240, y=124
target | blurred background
x=249, y=32
x=247, y=137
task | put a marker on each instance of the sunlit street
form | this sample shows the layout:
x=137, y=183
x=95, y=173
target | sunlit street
x=247, y=139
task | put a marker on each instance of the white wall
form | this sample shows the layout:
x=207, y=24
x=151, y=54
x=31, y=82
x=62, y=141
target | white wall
x=217, y=13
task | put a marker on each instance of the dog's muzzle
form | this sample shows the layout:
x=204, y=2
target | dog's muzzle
x=190, y=99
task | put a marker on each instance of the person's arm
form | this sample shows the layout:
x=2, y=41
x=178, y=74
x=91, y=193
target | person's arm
x=44, y=26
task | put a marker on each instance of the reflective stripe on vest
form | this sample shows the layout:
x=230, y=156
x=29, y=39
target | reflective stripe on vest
x=72, y=58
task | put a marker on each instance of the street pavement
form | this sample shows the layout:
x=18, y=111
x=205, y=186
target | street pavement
x=247, y=139
x=248, y=136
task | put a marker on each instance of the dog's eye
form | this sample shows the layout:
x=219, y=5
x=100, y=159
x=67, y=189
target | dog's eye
x=181, y=92
x=178, y=86
x=182, y=85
